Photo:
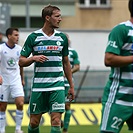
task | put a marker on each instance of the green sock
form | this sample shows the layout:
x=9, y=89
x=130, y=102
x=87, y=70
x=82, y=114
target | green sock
x=33, y=130
x=67, y=119
x=55, y=129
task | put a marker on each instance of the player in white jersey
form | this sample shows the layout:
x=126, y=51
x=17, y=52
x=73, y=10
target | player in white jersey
x=50, y=57
x=12, y=78
x=117, y=100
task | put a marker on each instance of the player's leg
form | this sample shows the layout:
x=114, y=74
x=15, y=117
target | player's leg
x=67, y=114
x=55, y=122
x=4, y=95
x=19, y=101
x=34, y=123
x=18, y=94
x=37, y=106
x=3, y=106
x=113, y=117
x=67, y=117
x=57, y=107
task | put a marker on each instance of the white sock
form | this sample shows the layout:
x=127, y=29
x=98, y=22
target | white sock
x=18, y=118
x=2, y=121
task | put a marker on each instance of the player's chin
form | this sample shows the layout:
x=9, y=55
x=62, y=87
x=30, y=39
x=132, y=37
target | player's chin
x=56, y=26
x=16, y=42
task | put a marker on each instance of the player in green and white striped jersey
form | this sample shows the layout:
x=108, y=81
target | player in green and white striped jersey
x=50, y=57
x=75, y=66
x=117, y=100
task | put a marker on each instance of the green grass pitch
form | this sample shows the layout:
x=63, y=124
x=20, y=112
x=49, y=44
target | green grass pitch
x=72, y=129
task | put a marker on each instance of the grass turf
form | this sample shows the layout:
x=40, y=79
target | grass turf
x=72, y=129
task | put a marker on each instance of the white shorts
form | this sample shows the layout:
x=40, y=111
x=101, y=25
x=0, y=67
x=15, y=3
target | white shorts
x=14, y=91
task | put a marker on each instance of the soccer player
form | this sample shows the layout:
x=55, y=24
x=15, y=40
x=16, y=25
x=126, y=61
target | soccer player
x=49, y=48
x=117, y=100
x=11, y=78
x=75, y=66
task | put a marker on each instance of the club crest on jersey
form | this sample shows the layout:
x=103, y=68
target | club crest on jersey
x=11, y=62
x=17, y=53
x=58, y=43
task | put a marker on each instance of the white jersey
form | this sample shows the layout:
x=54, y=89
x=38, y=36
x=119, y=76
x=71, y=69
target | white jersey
x=9, y=68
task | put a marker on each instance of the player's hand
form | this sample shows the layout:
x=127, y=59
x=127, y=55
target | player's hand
x=1, y=80
x=40, y=58
x=23, y=83
x=71, y=95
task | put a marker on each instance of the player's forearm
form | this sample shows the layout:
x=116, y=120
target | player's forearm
x=21, y=73
x=75, y=68
x=68, y=74
x=117, y=61
x=24, y=62
x=1, y=80
x=22, y=76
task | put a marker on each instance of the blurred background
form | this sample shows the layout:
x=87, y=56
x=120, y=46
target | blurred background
x=88, y=23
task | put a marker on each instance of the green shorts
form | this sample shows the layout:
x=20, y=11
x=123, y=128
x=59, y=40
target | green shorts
x=50, y=101
x=114, y=116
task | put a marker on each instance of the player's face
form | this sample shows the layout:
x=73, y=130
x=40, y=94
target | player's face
x=14, y=37
x=55, y=19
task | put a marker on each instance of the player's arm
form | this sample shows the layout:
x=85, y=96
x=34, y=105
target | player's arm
x=75, y=68
x=1, y=81
x=68, y=74
x=22, y=76
x=113, y=57
x=114, y=60
x=24, y=61
x=76, y=61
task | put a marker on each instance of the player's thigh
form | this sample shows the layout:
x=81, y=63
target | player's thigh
x=17, y=90
x=57, y=101
x=4, y=93
x=114, y=116
x=39, y=103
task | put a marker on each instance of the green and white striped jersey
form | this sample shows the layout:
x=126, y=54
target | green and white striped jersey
x=74, y=59
x=119, y=88
x=48, y=76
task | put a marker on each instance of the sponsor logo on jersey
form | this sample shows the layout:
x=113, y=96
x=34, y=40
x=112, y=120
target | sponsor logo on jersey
x=11, y=62
x=113, y=44
x=40, y=48
x=56, y=106
x=5, y=52
x=40, y=43
x=1, y=96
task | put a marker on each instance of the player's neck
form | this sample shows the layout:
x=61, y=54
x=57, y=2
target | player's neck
x=48, y=30
x=131, y=20
x=11, y=45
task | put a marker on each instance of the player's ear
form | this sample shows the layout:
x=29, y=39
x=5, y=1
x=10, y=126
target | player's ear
x=47, y=18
